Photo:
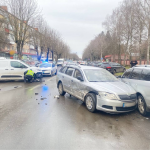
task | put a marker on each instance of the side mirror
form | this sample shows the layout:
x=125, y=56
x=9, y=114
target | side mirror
x=80, y=78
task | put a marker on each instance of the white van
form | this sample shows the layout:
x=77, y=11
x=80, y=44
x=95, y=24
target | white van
x=14, y=69
x=60, y=62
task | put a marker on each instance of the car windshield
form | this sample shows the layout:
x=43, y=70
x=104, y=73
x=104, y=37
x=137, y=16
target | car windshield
x=45, y=65
x=99, y=75
x=26, y=63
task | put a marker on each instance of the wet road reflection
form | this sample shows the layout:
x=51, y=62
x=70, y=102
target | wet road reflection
x=31, y=118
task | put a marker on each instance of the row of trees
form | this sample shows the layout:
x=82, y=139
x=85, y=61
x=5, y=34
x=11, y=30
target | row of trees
x=128, y=33
x=27, y=27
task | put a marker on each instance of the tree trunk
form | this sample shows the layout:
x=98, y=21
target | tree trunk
x=36, y=48
x=140, y=49
x=47, y=54
x=19, y=51
x=148, y=45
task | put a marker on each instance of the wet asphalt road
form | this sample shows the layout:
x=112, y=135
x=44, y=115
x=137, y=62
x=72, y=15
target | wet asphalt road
x=30, y=121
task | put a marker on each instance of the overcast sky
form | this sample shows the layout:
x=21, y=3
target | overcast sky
x=78, y=21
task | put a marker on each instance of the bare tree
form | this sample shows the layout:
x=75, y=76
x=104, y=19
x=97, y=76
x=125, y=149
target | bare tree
x=20, y=17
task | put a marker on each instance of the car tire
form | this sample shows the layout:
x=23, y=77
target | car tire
x=141, y=105
x=90, y=102
x=114, y=71
x=61, y=90
x=124, y=70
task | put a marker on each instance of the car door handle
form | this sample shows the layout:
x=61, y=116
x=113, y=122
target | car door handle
x=62, y=76
x=71, y=80
x=6, y=69
x=12, y=69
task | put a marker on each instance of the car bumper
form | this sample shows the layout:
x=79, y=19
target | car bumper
x=115, y=106
x=46, y=72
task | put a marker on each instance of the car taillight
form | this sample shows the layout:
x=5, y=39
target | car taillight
x=108, y=67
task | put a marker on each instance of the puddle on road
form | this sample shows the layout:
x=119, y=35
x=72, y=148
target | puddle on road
x=9, y=88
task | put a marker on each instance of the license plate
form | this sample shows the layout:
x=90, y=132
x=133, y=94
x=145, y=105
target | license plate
x=123, y=104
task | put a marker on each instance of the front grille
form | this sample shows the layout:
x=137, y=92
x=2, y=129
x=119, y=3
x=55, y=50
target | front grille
x=125, y=108
x=44, y=70
x=126, y=97
x=107, y=107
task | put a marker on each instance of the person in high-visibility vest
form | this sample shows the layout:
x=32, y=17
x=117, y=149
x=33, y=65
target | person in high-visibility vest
x=29, y=75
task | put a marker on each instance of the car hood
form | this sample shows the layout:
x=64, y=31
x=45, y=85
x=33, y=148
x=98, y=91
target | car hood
x=47, y=68
x=36, y=69
x=118, y=88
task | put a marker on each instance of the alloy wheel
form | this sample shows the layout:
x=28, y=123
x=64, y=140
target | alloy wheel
x=89, y=102
x=141, y=105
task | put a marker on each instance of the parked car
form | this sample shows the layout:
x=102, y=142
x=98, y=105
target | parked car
x=98, y=64
x=48, y=68
x=113, y=67
x=139, y=79
x=60, y=62
x=98, y=88
x=14, y=69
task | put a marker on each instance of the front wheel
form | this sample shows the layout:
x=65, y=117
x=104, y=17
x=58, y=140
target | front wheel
x=142, y=105
x=114, y=71
x=90, y=102
x=61, y=90
x=124, y=70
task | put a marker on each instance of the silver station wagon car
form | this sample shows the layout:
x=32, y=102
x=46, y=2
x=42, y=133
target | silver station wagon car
x=98, y=88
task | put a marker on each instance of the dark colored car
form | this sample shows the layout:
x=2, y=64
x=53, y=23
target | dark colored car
x=113, y=67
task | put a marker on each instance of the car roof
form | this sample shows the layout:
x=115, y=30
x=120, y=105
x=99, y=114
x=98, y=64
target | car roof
x=141, y=68
x=82, y=67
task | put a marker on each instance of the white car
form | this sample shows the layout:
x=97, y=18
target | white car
x=60, y=62
x=14, y=69
x=48, y=68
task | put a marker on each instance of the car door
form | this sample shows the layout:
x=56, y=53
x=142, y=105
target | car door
x=144, y=85
x=67, y=77
x=5, y=72
x=17, y=69
x=77, y=85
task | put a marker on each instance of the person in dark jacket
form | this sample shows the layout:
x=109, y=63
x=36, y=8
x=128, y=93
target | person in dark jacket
x=133, y=63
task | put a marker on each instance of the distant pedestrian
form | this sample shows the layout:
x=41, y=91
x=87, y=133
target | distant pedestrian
x=133, y=63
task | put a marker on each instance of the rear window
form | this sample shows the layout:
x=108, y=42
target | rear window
x=145, y=75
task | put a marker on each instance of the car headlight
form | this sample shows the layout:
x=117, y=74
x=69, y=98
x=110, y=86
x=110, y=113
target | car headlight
x=107, y=95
